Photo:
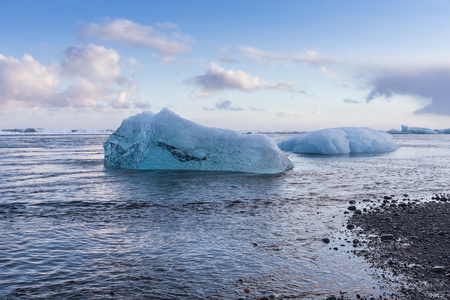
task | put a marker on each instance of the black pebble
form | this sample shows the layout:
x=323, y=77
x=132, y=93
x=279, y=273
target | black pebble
x=386, y=237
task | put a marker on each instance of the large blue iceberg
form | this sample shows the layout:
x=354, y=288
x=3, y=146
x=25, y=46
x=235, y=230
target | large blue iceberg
x=342, y=140
x=165, y=141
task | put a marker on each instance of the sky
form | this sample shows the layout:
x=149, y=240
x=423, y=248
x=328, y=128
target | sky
x=243, y=65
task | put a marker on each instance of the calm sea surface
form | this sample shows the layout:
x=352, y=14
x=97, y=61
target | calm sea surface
x=71, y=229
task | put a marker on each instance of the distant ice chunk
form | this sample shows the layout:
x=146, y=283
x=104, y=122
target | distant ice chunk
x=394, y=131
x=342, y=140
x=444, y=131
x=166, y=141
x=53, y=131
x=418, y=130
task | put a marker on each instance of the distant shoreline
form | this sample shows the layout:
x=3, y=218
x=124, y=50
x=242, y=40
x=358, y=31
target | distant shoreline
x=45, y=131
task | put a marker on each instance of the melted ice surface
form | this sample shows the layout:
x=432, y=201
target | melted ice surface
x=165, y=141
x=343, y=140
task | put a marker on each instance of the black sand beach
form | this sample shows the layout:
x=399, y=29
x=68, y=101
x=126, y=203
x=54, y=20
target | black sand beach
x=408, y=241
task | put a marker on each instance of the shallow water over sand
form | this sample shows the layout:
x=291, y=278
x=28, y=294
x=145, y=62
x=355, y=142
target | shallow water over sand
x=73, y=229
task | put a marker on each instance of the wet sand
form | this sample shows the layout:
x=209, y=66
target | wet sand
x=408, y=240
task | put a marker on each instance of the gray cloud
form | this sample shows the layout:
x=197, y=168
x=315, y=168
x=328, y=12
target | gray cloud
x=228, y=105
x=216, y=79
x=351, y=101
x=227, y=59
x=139, y=103
x=432, y=83
x=135, y=35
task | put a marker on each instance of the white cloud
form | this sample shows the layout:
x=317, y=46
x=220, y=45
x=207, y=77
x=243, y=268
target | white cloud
x=87, y=77
x=98, y=79
x=24, y=81
x=217, y=78
x=311, y=57
x=85, y=93
x=425, y=82
x=135, y=35
x=122, y=98
x=93, y=62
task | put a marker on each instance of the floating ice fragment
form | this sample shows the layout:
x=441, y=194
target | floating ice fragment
x=444, y=131
x=394, y=131
x=418, y=130
x=167, y=141
x=342, y=140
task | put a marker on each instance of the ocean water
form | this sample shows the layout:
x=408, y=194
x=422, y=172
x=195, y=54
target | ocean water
x=71, y=229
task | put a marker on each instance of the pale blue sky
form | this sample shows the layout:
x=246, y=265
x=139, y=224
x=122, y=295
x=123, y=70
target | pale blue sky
x=246, y=65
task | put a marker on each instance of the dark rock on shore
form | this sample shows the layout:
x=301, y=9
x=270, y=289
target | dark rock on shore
x=386, y=237
x=410, y=243
x=442, y=197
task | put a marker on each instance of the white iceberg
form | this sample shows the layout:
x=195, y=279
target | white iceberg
x=342, y=140
x=165, y=141
x=418, y=130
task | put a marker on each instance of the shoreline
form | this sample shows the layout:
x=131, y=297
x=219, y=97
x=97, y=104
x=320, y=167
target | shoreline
x=408, y=241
